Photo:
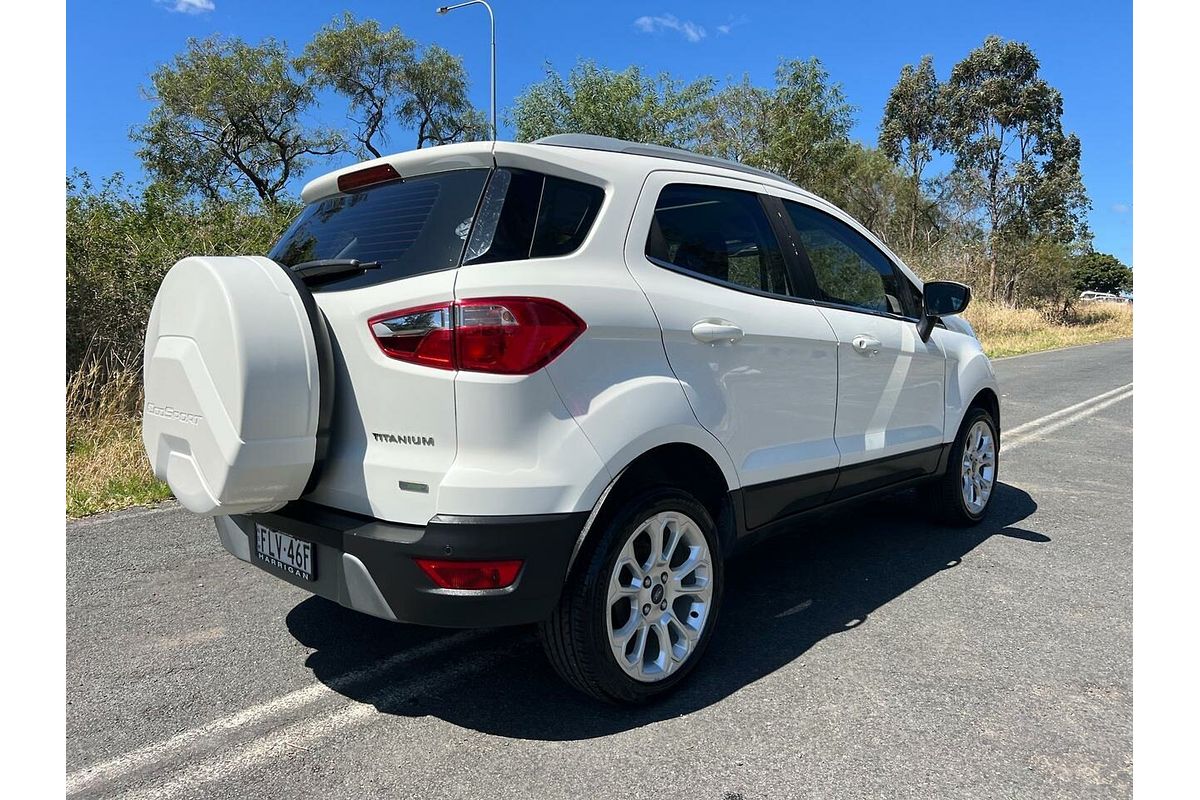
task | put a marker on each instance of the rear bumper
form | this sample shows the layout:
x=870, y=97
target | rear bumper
x=367, y=564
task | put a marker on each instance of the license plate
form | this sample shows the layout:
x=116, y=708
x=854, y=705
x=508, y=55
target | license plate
x=285, y=552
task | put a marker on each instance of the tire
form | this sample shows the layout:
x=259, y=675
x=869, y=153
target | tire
x=949, y=497
x=583, y=634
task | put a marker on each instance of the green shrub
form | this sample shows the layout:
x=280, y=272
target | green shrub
x=121, y=240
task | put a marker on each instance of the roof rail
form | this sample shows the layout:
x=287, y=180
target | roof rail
x=587, y=141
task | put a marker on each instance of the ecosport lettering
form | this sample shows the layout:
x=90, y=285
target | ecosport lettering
x=424, y=441
x=166, y=412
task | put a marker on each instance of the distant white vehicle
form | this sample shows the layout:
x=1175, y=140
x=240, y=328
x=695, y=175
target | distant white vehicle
x=1103, y=297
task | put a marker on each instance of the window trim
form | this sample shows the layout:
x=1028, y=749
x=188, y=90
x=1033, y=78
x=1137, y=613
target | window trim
x=737, y=287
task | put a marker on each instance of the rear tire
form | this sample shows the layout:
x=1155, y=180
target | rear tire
x=961, y=497
x=634, y=620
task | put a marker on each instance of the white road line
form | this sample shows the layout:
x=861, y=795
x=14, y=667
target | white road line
x=150, y=754
x=1051, y=423
x=284, y=741
x=1020, y=430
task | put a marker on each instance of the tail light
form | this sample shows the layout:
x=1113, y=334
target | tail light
x=500, y=335
x=470, y=574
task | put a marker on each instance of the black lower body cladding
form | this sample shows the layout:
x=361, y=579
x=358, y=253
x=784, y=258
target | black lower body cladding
x=385, y=551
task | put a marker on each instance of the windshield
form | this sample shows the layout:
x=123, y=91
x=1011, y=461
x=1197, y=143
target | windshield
x=410, y=227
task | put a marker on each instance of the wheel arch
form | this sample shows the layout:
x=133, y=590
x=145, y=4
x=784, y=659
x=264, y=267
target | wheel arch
x=677, y=464
x=987, y=399
x=970, y=382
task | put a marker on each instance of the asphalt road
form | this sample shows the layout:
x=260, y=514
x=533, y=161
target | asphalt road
x=869, y=655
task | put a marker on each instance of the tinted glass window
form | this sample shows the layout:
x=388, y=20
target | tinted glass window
x=718, y=233
x=412, y=226
x=849, y=270
x=529, y=215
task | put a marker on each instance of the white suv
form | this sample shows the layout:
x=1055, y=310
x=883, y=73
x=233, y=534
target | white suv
x=560, y=382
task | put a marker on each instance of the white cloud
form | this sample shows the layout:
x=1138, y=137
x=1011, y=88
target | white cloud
x=686, y=28
x=1120, y=208
x=728, y=27
x=188, y=6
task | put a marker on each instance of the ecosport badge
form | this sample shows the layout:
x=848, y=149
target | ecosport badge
x=424, y=441
x=167, y=412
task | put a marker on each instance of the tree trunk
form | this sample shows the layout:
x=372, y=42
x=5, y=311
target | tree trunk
x=912, y=222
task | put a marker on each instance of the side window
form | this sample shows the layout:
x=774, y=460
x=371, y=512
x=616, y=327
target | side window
x=718, y=233
x=848, y=269
x=529, y=215
x=565, y=216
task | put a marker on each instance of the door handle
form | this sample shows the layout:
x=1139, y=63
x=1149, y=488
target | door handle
x=711, y=331
x=865, y=345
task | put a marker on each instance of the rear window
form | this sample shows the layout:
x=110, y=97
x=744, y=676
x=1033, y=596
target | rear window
x=529, y=215
x=410, y=227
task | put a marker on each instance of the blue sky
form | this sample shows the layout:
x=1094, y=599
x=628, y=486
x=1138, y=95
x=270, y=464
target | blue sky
x=1085, y=50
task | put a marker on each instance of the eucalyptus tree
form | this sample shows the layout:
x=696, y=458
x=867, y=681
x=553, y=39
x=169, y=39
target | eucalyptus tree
x=367, y=66
x=435, y=101
x=1004, y=127
x=812, y=121
x=629, y=104
x=389, y=82
x=740, y=123
x=799, y=128
x=911, y=131
x=228, y=115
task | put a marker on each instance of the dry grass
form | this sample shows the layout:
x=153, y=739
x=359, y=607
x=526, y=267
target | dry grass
x=106, y=465
x=1012, y=331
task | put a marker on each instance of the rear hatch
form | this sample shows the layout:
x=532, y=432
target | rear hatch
x=392, y=437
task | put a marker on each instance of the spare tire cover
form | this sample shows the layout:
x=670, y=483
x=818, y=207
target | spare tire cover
x=232, y=376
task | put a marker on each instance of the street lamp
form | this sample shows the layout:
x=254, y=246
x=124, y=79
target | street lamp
x=492, y=17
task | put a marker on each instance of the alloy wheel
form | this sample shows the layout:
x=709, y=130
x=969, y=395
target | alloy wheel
x=659, y=596
x=978, y=467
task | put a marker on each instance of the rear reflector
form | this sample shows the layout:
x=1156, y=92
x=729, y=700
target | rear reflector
x=380, y=173
x=500, y=335
x=470, y=574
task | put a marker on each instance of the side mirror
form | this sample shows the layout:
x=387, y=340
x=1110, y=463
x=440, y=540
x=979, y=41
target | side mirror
x=941, y=299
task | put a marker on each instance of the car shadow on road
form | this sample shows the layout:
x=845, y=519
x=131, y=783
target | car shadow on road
x=782, y=597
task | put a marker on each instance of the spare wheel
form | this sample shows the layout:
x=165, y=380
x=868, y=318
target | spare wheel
x=238, y=377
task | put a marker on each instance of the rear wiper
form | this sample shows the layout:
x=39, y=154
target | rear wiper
x=331, y=267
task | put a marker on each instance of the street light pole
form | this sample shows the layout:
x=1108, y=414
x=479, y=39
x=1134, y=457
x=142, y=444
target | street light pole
x=492, y=17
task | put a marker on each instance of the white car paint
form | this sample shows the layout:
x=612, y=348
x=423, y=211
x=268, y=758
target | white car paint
x=744, y=392
x=379, y=395
x=890, y=392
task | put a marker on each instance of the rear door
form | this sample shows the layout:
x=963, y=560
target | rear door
x=758, y=367
x=891, y=385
